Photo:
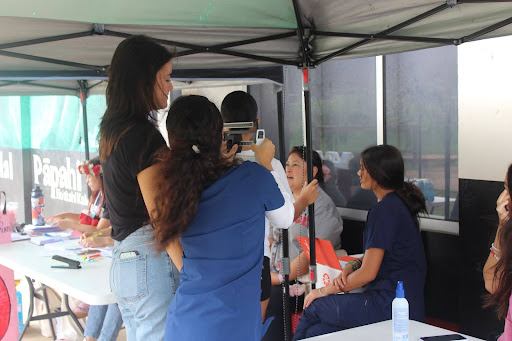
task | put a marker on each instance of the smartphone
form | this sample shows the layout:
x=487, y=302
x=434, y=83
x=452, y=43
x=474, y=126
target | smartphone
x=448, y=337
x=128, y=254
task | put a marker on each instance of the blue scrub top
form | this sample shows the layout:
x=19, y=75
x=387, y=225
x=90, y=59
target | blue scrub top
x=389, y=226
x=219, y=294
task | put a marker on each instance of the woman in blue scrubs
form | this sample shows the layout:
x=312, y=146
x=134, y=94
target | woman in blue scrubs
x=393, y=251
x=216, y=206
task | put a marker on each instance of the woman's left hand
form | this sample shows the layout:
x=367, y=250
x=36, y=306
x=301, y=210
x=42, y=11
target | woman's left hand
x=228, y=154
x=313, y=295
x=341, y=281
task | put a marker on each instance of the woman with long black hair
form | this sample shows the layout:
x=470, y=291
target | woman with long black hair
x=216, y=206
x=498, y=268
x=393, y=251
x=142, y=279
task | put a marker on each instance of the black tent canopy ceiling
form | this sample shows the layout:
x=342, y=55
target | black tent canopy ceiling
x=60, y=42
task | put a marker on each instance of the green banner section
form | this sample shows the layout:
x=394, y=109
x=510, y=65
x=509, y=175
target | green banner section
x=228, y=13
x=49, y=122
x=10, y=129
x=96, y=106
x=55, y=123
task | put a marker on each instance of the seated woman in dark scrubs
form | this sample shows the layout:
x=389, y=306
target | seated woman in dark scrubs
x=393, y=252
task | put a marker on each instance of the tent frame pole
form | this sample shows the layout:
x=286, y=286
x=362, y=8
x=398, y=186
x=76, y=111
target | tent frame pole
x=52, y=61
x=304, y=35
x=304, y=55
x=309, y=161
x=205, y=49
x=220, y=47
x=83, y=94
x=385, y=32
x=7, y=83
x=45, y=40
x=443, y=41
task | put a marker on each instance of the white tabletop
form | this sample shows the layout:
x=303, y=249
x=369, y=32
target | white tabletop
x=384, y=331
x=89, y=284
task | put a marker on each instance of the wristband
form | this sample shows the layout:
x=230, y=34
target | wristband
x=320, y=291
x=281, y=279
x=495, y=252
x=355, y=265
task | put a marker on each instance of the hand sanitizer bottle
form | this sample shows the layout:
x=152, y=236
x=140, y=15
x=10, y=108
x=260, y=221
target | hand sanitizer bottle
x=400, y=315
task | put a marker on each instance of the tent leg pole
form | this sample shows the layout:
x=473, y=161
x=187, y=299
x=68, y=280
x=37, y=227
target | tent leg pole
x=286, y=300
x=307, y=127
x=280, y=126
x=83, y=100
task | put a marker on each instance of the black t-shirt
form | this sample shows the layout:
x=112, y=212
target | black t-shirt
x=133, y=154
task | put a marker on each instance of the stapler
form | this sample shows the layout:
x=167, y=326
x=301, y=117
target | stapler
x=71, y=264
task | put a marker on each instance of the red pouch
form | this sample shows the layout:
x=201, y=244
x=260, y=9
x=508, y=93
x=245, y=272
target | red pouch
x=87, y=220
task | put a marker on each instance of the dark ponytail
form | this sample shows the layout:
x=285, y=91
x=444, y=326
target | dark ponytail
x=414, y=200
x=386, y=166
x=193, y=163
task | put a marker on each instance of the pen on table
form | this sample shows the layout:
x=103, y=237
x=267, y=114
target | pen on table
x=88, y=258
x=95, y=235
x=49, y=235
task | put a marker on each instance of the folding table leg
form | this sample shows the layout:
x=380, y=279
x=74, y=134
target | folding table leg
x=30, y=308
x=45, y=295
x=79, y=325
x=48, y=316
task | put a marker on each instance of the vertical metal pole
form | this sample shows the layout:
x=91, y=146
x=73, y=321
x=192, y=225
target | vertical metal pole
x=84, y=92
x=384, y=103
x=380, y=99
x=447, y=164
x=280, y=127
x=285, y=263
x=309, y=157
x=26, y=156
x=83, y=100
x=419, y=145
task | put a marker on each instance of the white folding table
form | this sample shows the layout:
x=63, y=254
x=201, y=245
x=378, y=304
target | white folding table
x=89, y=284
x=384, y=331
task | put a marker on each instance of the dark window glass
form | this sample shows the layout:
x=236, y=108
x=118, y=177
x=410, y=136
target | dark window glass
x=421, y=120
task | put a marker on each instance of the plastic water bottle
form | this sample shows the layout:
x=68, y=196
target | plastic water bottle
x=37, y=200
x=429, y=190
x=400, y=315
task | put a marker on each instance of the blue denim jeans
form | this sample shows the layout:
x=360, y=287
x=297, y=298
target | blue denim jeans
x=143, y=282
x=103, y=322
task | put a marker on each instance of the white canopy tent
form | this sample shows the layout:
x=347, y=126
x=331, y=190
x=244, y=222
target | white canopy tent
x=68, y=40
x=65, y=47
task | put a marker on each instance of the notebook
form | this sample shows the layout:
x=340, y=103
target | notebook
x=16, y=237
x=42, y=240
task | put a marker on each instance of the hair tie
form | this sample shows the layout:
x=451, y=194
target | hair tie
x=195, y=148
